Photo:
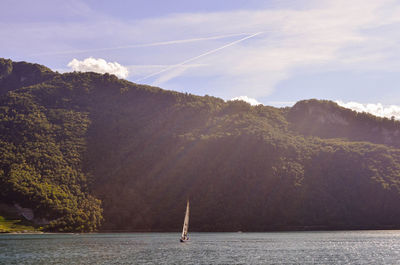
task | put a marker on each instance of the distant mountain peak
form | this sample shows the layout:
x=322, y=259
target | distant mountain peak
x=326, y=119
x=14, y=75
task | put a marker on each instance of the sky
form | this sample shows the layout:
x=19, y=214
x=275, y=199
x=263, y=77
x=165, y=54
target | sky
x=269, y=52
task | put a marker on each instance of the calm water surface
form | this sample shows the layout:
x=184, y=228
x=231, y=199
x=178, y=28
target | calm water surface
x=345, y=247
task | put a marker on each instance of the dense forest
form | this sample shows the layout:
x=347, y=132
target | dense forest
x=87, y=152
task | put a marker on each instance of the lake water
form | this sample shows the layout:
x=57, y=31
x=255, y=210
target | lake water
x=344, y=247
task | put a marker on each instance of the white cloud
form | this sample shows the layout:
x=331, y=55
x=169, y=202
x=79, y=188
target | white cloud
x=376, y=109
x=251, y=101
x=333, y=35
x=281, y=104
x=357, y=35
x=99, y=66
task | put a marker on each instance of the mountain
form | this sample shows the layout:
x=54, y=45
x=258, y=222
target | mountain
x=327, y=119
x=85, y=151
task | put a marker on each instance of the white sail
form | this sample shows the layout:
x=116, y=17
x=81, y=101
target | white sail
x=185, y=223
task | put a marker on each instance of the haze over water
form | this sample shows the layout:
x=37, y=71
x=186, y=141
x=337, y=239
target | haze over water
x=344, y=247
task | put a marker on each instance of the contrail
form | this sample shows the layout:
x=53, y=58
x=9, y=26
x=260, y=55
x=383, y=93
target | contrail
x=143, y=45
x=198, y=56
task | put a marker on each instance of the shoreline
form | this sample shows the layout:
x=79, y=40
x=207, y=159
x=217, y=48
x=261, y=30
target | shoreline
x=288, y=229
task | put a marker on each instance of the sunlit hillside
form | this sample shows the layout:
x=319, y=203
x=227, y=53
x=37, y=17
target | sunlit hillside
x=87, y=151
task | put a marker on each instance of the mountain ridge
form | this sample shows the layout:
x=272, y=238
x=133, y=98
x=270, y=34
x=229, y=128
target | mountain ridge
x=90, y=151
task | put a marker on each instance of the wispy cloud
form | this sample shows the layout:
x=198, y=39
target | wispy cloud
x=153, y=44
x=172, y=73
x=140, y=70
x=327, y=35
x=199, y=56
x=324, y=38
x=376, y=109
x=99, y=66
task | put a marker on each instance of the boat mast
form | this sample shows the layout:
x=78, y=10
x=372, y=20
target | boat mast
x=186, y=223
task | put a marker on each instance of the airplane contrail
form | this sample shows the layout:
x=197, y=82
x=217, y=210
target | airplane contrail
x=161, y=43
x=198, y=56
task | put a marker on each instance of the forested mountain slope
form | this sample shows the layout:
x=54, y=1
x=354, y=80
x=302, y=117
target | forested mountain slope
x=328, y=120
x=87, y=151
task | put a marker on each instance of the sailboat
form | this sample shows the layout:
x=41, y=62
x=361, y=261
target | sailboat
x=184, y=236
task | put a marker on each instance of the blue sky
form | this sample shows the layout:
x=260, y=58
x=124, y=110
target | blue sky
x=276, y=52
